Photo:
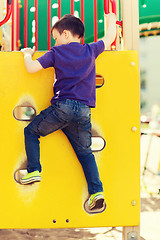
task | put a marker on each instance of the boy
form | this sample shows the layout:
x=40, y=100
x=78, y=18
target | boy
x=74, y=95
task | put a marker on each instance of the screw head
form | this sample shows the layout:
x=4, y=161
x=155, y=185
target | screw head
x=133, y=63
x=134, y=129
x=133, y=202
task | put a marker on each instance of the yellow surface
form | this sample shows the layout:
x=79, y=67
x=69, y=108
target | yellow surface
x=63, y=189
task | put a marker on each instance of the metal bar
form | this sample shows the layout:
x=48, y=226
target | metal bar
x=72, y=7
x=82, y=15
x=59, y=9
x=13, y=27
x=8, y=14
x=25, y=23
x=113, y=4
x=49, y=24
x=36, y=24
x=17, y=28
x=106, y=6
x=95, y=20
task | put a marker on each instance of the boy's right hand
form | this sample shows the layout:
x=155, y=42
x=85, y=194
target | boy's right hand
x=32, y=66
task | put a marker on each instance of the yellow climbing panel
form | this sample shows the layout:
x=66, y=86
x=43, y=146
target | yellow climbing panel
x=57, y=201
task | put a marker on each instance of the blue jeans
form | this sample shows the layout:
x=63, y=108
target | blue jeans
x=74, y=119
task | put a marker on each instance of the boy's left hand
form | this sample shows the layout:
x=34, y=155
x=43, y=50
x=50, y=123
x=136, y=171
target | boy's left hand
x=111, y=17
x=30, y=51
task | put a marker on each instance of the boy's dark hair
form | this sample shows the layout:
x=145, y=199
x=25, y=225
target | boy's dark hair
x=71, y=23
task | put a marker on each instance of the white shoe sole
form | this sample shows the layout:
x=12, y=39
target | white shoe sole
x=30, y=180
x=99, y=207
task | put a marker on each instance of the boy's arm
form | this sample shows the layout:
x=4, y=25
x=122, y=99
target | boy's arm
x=111, y=30
x=31, y=65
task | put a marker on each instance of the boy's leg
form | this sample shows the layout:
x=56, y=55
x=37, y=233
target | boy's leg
x=43, y=124
x=95, y=203
x=79, y=135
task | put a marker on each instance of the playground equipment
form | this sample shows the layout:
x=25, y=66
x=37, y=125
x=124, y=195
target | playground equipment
x=9, y=11
x=6, y=18
x=149, y=18
x=57, y=202
x=27, y=22
x=118, y=162
x=31, y=23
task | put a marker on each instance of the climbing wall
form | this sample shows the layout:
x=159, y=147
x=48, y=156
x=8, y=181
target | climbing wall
x=57, y=201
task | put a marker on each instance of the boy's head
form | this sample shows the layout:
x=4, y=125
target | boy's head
x=67, y=29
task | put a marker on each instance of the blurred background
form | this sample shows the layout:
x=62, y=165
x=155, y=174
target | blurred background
x=21, y=32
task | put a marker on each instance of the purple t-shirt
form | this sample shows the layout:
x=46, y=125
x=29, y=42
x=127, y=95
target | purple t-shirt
x=74, y=66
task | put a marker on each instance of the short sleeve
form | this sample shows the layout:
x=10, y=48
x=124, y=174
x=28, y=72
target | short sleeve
x=97, y=47
x=48, y=59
